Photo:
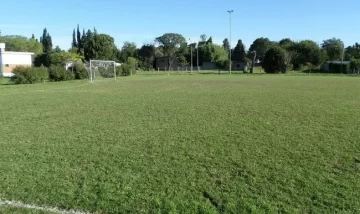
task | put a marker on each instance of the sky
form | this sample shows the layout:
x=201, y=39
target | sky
x=141, y=21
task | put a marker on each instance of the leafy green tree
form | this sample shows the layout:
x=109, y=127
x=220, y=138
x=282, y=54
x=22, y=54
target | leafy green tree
x=100, y=47
x=239, y=53
x=21, y=44
x=203, y=38
x=147, y=55
x=212, y=53
x=275, y=60
x=334, y=48
x=128, y=50
x=57, y=49
x=352, y=52
x=62, y=58
x=209, y=41
x=287, y=44
x=172, y=45
x=355, y=64
x=260, y=46
x=226, y=44
x=307, y=51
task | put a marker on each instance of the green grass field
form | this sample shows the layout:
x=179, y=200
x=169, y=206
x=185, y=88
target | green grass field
x=183, y=144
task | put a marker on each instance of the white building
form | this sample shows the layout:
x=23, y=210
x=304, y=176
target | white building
x=9, y=60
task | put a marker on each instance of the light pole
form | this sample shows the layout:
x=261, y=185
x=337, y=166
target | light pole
x=230, y=12
x=342, y=58
x=197, y=56
x=191, y=50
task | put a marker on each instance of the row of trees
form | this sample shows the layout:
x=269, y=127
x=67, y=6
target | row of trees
x=90, y=44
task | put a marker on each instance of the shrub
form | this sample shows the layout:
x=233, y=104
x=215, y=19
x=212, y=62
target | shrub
x=58, y=73
x=29, y=75
x=80, y=71
x=355, y=64
x=223, y=64
x=126, y=70
x=275, y=60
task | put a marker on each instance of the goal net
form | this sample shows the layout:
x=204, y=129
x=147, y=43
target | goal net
x=102, y=70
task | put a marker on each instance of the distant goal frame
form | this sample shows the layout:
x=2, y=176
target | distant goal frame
x=92, y=74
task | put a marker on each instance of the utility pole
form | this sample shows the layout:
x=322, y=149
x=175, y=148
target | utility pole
x=230, y=64
x=191, y=49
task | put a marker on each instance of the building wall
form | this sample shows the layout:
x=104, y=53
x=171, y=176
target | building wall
x=12, y=59
x=239, y=66
x=162, y=63
x=209, y=66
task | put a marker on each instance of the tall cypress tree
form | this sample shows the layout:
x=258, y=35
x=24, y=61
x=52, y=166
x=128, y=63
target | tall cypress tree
x=239, y=52
x=74, y=43
x=79, y=38
x=46, y=41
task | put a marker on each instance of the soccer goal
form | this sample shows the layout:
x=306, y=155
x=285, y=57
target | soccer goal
x=102, y=70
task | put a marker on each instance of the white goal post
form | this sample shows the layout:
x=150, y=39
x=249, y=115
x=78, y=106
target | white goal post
x=102, y=70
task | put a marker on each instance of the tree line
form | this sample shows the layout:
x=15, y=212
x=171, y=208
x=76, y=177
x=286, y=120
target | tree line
x=274, y=56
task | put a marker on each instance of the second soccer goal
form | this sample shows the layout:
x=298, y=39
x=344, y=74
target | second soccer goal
x=102, y=70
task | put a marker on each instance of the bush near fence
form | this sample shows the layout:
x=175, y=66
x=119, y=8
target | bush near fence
x=29, y=75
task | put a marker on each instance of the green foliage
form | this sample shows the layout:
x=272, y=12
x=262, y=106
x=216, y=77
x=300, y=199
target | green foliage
x=223, y=64
x=307, y=51
x=46, y=41
x=21, y=44
x=147, y=56
x=352, y=52
x=80, y=71
x=275, y=60
x=128, y=50
x=100, y=47
x=74, y=43
x=334, y=48
x=171, y=43
x=239, y=53
x=61, y=58
x=260, y=46
x=128, y=68
x=355, y=64
x=42, y=60
x=226, y=44
x=58, y=73
x=212, y=53
x=29, y=75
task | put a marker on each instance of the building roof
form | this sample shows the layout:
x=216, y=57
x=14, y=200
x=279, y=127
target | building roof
x=17, y=53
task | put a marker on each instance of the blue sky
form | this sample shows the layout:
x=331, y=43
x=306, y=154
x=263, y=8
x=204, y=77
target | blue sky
x=141, y=21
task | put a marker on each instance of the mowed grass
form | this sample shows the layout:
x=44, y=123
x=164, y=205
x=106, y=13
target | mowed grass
x=184, y=144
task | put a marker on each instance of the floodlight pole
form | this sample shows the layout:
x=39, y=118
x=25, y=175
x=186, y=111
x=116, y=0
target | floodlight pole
x=342, y=59
x=197, y=55
x=191, y=49
x=230, y=64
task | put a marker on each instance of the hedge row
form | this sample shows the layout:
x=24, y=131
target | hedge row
x=29, y=75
